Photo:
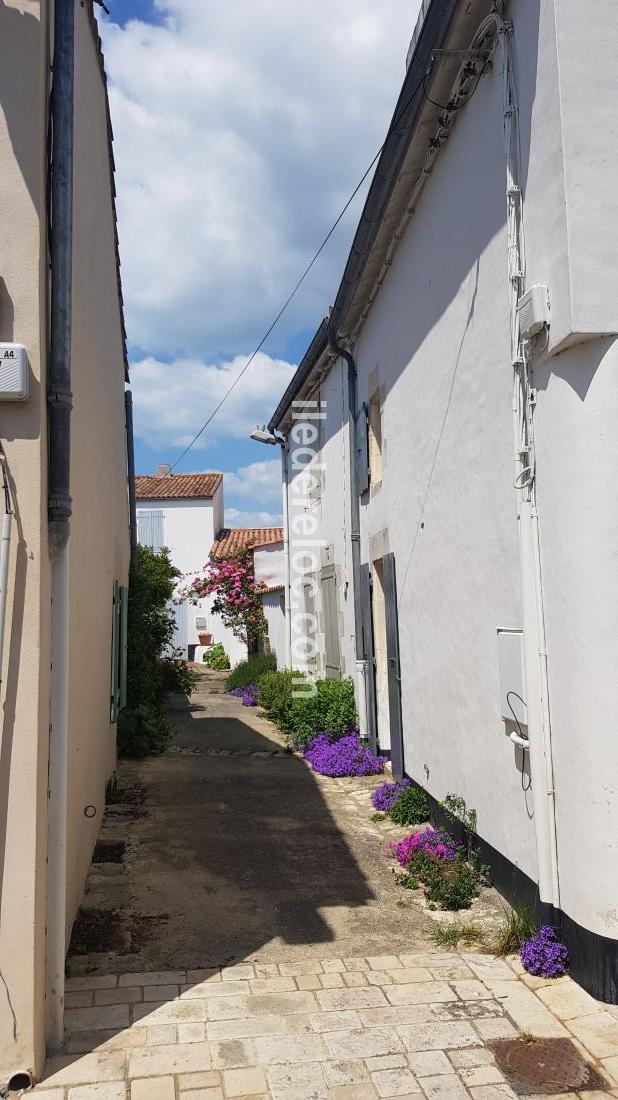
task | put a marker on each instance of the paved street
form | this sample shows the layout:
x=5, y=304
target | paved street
x=264, y=950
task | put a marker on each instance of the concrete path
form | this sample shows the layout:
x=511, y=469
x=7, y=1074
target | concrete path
x=253, y=943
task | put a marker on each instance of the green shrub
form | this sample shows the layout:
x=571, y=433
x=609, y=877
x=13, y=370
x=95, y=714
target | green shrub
x=321, y=705
x=410, y=808
x=449, y=885
x=249, y=671
x=275, y=691
x=216, y=657
x=142, y=730
x=176, y=676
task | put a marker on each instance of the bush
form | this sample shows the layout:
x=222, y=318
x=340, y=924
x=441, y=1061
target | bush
x=275, y=693
x=410, y=807
x=249, y=671
x=216, y=657
x=142, y=730
x=176, y=676
x=322, y=706
x=449, y=885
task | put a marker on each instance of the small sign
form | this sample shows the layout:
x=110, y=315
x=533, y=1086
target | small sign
x=201, y=623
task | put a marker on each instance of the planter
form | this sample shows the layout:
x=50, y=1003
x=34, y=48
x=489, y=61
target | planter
x=205, y=639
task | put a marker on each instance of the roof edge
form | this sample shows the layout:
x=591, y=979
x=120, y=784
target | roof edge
x=316, y=348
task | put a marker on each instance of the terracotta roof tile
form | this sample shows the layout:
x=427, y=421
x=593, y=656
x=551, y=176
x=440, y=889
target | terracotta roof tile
x=177, y=487
x=232, y=539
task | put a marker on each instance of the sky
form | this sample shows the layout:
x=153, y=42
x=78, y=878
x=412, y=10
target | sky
x=240, y=130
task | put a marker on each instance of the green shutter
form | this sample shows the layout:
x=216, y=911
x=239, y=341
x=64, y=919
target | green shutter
x=114, y=687
x=122, y=654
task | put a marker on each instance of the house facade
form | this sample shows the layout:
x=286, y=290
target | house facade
x=62, y=425
x=467, y=495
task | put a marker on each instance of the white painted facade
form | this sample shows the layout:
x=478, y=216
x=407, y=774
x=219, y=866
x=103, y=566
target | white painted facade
x=189, y=530
x=269, y=569
x=434, y=350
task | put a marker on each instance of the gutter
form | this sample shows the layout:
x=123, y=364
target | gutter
x=316, y=348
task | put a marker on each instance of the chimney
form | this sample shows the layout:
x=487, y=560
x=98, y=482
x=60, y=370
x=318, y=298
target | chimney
x=164, y=470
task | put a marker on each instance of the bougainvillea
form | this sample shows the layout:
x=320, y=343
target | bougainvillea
x=345, y=756
x=384, y=797
x=435, y=842
x=542, y=955
x=237, y=597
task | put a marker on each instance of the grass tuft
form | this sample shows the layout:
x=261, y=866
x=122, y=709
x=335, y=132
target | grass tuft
x=517, y=925
x=450, y=937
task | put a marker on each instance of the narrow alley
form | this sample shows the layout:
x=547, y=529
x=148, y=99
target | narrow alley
x=242, y=934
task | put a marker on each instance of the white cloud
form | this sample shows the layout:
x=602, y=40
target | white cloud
x=173, y=400
x=235, y=518
x=240, y=129
x=261, y=481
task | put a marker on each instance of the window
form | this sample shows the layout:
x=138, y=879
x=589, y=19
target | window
x=375, y=437
x=118, y=687
x=150, y=528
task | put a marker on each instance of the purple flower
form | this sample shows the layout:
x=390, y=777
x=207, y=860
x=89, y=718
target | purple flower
x=542, y=955
x=346, y=756
x=248, y=695
x=384, y=797
x=436, y=842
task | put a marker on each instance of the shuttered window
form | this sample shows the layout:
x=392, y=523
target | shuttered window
x=362, y=450
x=118, y=674
x=328, y=581
x=150, y=528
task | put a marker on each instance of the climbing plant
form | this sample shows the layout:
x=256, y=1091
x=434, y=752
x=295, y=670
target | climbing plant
x=237, y=596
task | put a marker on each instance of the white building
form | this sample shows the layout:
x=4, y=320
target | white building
x=478, y=526
x=266, y=544
x=185, y=513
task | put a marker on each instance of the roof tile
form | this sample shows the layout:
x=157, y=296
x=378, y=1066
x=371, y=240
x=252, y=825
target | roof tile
x=177, y=486
x=232, y=539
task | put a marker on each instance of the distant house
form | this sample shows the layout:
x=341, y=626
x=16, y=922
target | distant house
x=268, y=562
x=464, y=497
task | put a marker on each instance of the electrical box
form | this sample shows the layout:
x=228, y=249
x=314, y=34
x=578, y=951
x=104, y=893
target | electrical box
x=201, y=623
x=512, y=676
x=533, y=311
x=13, y=372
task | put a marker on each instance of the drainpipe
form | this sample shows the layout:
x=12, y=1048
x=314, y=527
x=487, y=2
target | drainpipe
x=59, y=401
x=128, y=408
x=361, y=663
x=286, y=552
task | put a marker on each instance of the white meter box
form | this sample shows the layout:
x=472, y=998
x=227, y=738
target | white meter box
x=13, y=372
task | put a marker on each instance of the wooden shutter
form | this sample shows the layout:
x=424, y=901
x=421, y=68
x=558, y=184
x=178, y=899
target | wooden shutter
x=362, y=450
x=123, y=611
x=150, y=529
x=114, y=685
x=328, y=581
x=370, y=681
x=180, y=637
x=394, y=666
x=310, y=611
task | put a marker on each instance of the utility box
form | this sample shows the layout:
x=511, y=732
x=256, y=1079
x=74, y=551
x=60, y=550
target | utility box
x=533, y=311
x=13, y=372
x=512, y=676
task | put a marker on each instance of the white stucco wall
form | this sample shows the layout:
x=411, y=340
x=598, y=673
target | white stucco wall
x=274, y=613
x=268, y=564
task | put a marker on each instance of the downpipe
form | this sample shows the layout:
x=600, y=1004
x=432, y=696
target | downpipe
x=286, y=552
x=361, y=662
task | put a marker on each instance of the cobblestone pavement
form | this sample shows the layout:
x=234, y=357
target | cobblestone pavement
x=347, y=1029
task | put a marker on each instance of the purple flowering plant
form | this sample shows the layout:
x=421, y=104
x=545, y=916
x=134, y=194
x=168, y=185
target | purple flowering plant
x=542, y=954
x=432, y=842
x=385, y=796
x=345, y=756
x=248, y=695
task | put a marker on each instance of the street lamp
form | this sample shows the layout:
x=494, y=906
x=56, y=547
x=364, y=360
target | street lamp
x=262, y=435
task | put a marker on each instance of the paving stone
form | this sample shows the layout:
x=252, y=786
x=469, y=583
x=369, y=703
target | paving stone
x=405, y=1014
x=356, y=964
x=245, y=1028
x=92, y=981
x=170, y=1012
x=447, y=1086
x=97, y=1018
x=471, y=990
x=498, y=1092
x=384, y=962
x=160, y=992
x=210, y=974
x=207, y=990
x=238, y=972
x=162, y=1061
x=266, y=970
x=226, y=1008
x=81, y=998
x=293, y=969
x=467, y=1010
x=338, y=1000
x=298, y=1081
x=429, y=958
x=335, y=1021
x=331, y=981
x=429, y=1063
x=524, y=1007
x=354, y=978
x=487, y=966
x=243, y=1082
x=363, y=1044
x=378, y=977
x=333, y=966
x=409, y=974
x=456, y=971
x=116, y=1090
x=203, y=1094
x=387, y=1061
x=309, y=981
x=419, y=993
x=345, y=1072
x=481, y=1075
x=158, y=977
x=567, y=1000
x=477, y=1056
x=598, y=1033
x=233, y=1053
x=160, y=1088
x=395, y=1082
x=495, y=1029
x=126, y=996
x=437, y=1036
x=162, y=1035
x=273, y=985
x=362, y=1091
x=85, y=1069
x=206, y=1080
x=610, y=1066
x=191, y=1033
x=86, y=1041
x=281, y=1004
x=289, y=1048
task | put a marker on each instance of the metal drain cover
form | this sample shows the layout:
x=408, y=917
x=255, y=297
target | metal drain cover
x=545, y=1066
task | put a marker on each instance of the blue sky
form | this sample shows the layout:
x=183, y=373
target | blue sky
x=240, y=130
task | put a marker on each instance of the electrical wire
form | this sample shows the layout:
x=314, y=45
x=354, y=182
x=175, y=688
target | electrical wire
x=391, y=130
x=523, y=736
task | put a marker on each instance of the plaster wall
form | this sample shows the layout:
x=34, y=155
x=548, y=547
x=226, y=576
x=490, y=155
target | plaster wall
x=24, y=715
x=269, y=564
x=274, y=613
x=437, y=344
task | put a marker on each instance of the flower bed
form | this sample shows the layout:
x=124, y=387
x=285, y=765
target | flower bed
x=431, y=857
x=542, y=955
x=346, y=756
x=248, y=694
x=437, y=843
x=385, y=796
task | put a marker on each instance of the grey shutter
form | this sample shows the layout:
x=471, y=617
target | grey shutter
x=114, y=694
x=123, y=612
x=180, y=637
x=328, y=581
x=370, y=681
x=394, y=666
x=362, y=450
x=310, y=629
x=150, y=529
